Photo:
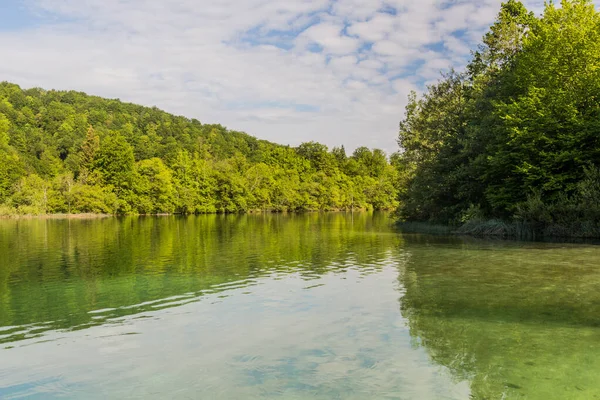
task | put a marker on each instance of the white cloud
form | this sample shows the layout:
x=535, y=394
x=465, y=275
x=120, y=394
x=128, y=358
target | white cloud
x=344, y=64
x=285, y=71
x=375, y=29
x=330, y=37
x=404, y=87
x=388, y=48
x=432, y=68
x=456, y=46
x=356, y=10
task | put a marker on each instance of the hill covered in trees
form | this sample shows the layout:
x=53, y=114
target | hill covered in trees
x=516, y=136
x=67, y=152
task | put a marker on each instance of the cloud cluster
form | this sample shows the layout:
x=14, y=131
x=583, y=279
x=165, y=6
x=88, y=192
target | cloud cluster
x=336, y=71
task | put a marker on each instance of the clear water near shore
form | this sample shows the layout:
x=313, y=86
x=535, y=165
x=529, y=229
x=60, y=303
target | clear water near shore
x=291, y=307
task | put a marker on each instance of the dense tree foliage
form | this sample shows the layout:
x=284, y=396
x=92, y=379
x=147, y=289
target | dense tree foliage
x=518, y=132
x=67, y=152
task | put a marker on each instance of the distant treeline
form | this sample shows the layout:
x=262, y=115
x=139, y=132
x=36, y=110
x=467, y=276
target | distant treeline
x=67, y=152
x=516, y=136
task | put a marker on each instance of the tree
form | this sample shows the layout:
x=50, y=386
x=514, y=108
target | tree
x=339, y=153
x=522, y=119
x=154, y=187
x=316, y=154
x=115, y=163
x=4, y=128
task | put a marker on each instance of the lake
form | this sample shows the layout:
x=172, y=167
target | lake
x=307, y=306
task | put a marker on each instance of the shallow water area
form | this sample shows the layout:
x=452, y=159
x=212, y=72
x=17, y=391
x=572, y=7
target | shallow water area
x=306, y=306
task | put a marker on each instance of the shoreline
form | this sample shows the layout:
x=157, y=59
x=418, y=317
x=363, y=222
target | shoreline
x=56, y=216
x=506, y=230
x=82, y=216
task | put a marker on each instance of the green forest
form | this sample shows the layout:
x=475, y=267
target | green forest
x=511, y=141
x=67, y=152
x=514, y=139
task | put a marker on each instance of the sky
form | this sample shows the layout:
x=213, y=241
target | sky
x=290, y=71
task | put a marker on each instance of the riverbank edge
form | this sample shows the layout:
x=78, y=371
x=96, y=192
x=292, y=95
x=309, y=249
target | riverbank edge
x=55, y=216
x=99, y=215
x=495, y=228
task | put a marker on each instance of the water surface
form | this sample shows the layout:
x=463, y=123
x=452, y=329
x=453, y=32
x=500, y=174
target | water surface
x=308, y=306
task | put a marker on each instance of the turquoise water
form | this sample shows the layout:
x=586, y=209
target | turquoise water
x=307, y=306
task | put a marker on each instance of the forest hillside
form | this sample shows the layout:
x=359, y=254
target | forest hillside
x=67, y=152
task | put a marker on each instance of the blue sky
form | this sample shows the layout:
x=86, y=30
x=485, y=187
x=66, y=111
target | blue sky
x=335, y=71
x=15, y=15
